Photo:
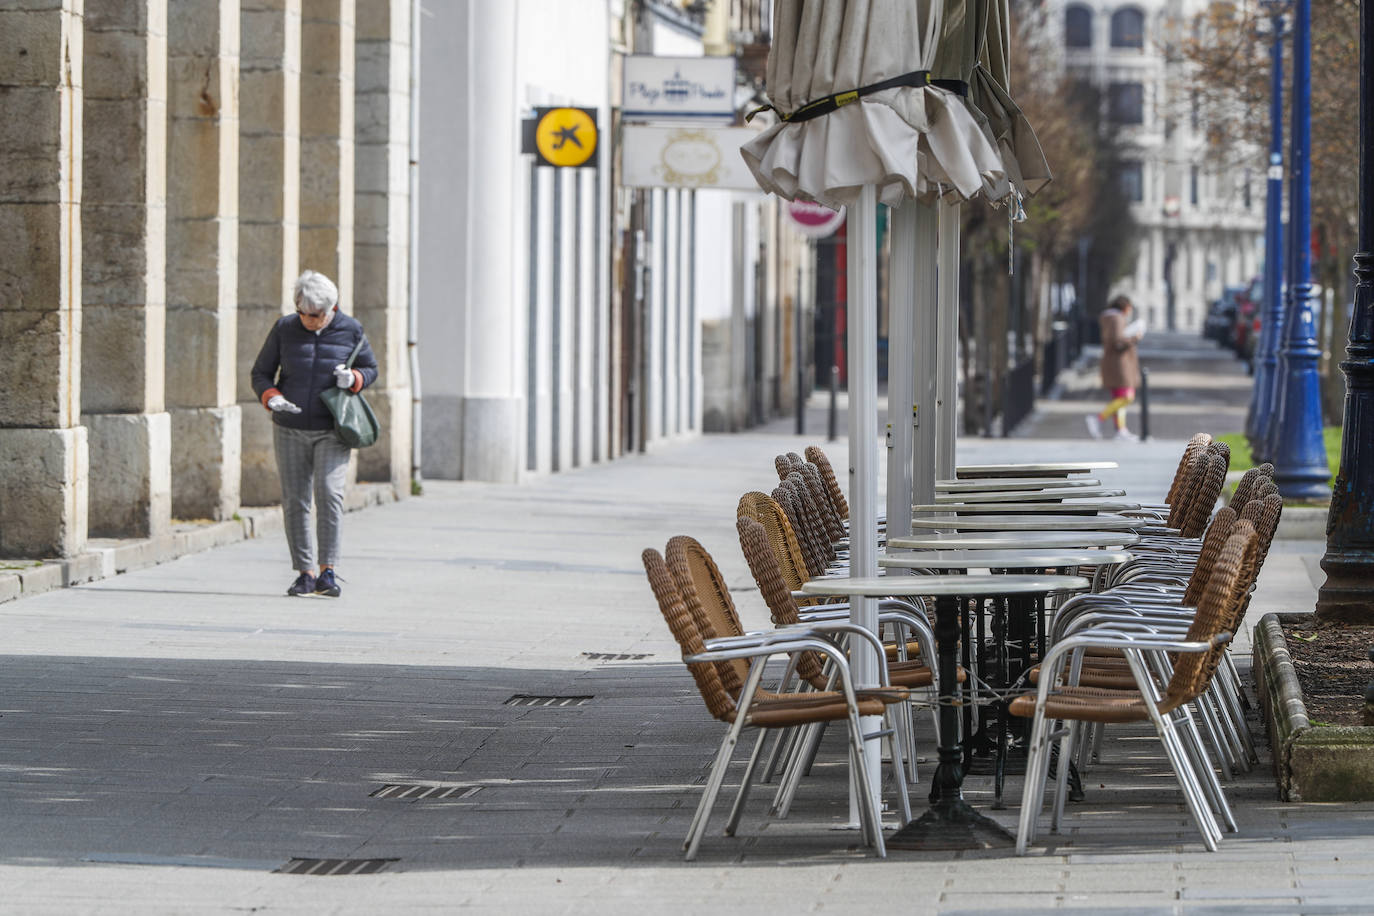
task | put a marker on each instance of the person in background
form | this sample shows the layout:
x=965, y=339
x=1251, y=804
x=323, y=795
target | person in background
x=304, y=355
x=1120, y=365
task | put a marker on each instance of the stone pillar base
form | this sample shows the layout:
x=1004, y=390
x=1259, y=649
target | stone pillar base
x=131, y=474
x=205, y=462
x=493, y=439
x=259, y=485
x=441, y=429
x=43, y=489
x=388, y=459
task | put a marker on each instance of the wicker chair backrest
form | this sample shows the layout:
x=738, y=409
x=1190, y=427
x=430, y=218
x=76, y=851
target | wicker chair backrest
x=820, y=497
x=1245, y=490
x=787, y=499
x=782, y=466
x=816, y=456
x=1264, y=514
x=1212, y=542
x=753, y=540
x=708, y=601
x=1187, y=492
x=812, y=514
x=1205, y=499
x=1195, y=445
x=765, y=510
x=1215, y=612
x=689, y=639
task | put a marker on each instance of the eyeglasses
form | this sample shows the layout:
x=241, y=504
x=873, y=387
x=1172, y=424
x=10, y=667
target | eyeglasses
x=311, y=315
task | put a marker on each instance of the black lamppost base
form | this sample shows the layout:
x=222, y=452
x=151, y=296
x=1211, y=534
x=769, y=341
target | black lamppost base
x=952, y=824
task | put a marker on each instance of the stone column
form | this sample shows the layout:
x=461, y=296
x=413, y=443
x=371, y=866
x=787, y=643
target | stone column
x=326, y=186
x=124, y=260
x=269, y=212
x=202, y=256
x=381, y=255
x=493, y=407
x=43, y=460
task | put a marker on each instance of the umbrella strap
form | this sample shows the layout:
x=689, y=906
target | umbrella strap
x=836, y=101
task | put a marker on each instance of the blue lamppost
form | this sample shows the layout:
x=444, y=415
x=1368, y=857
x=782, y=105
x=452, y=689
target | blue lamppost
x=1349, y=561
x=1298, y=452
x=1258, y=422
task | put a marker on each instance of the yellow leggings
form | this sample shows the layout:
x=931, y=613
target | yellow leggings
x=1116, y=408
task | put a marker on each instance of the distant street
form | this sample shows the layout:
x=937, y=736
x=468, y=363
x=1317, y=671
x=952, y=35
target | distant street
x=1195, y=386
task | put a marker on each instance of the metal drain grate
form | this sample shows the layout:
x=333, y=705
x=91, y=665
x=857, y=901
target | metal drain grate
x=334, y=866
x=397, y=790
x=617, y=656
x=524, y=699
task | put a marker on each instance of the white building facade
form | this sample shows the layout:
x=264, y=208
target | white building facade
x=1201, y=224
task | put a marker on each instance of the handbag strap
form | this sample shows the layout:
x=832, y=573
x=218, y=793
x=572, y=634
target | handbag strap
x=354, y=355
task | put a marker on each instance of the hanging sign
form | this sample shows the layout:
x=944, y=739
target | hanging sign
x=562, y=137
x=667, y=88
x=685, y=157
x=813, y=220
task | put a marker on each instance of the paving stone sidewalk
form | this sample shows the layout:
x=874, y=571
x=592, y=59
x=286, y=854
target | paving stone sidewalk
x=170, y=737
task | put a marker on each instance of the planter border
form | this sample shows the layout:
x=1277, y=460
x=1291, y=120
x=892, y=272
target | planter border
x=1311, y=762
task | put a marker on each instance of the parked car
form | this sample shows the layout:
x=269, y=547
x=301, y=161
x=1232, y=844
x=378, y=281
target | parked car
x=1247, y=317
x=1222, y=316
x=1220, y=321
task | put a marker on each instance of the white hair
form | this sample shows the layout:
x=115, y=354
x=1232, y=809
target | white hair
x=315, y=293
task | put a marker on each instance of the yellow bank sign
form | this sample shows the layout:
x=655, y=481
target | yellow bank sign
x=562, y=137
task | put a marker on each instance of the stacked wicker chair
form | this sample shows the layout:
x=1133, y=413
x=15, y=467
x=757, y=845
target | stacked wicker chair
x=727, y=665
x=1170, y=672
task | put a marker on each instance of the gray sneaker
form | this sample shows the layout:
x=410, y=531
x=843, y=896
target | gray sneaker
x=1094, y=425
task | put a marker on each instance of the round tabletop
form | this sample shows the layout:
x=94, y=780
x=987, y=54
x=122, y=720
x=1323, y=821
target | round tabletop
x=1027, y=496
x=1031, y=470
x=990, y=484
x=1002, y=559
x=1013, y=540
x=958, y=585
x=1030, y=522
x=1091, y=505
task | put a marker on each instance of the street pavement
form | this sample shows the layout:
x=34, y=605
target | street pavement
x=171, y=738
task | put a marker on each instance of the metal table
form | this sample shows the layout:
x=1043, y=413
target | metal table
x=989, y=484
x=1086, y=507
x=1029, y=558
x=1028, y=496
x=1032, y=522
x=1044, y=469
x=950, y=823
x=1008, y=540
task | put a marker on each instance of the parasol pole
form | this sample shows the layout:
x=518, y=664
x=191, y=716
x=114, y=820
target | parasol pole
x=925, y=345
x=947, y=321
x=862, y=329
x=901, y=370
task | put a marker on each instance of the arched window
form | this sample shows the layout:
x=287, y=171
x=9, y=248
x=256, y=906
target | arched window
x=1078, y=27
x=1128, y=28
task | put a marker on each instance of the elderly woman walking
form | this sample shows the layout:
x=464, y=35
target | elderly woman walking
x=303, y=356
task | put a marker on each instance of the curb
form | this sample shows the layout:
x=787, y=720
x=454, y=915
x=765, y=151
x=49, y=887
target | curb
x=104, y=559
x=1312, y=763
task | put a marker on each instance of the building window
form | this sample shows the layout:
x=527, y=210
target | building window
x=1245, y=189
x=1192, y=187
x=1128, y=28
x=1132, y=180
x=1078, y=27
x=1126, y=103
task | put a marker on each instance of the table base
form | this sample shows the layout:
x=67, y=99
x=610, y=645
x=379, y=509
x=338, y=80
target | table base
x=951, y=824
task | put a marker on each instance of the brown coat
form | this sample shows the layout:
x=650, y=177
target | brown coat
x=1120, y=363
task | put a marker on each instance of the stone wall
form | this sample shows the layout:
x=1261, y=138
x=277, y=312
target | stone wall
x=171, y=166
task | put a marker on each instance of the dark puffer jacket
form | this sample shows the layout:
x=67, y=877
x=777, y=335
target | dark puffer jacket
x=299, y=365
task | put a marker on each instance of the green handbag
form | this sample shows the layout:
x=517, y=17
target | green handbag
x=354, y=422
